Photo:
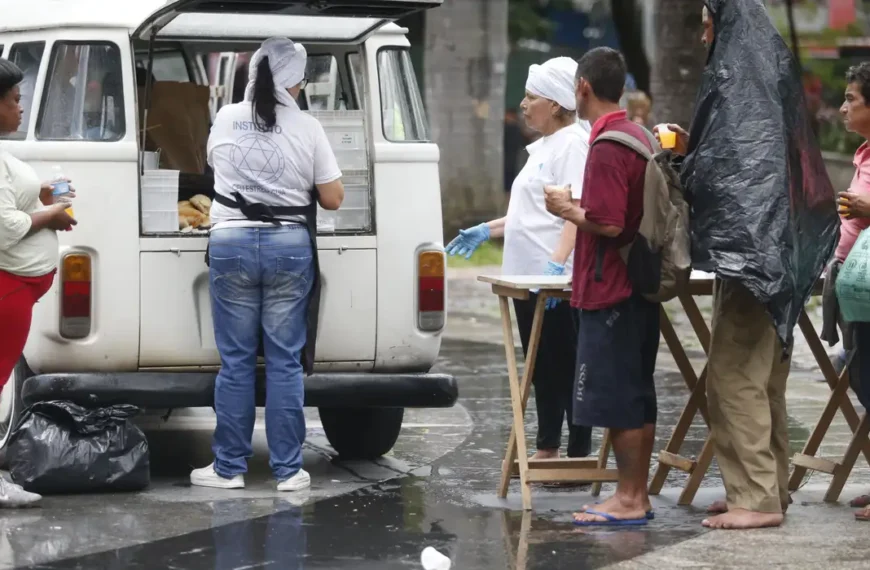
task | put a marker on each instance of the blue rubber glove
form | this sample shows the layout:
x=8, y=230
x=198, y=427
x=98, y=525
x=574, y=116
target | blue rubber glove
x=553, y=268
x=468, y=241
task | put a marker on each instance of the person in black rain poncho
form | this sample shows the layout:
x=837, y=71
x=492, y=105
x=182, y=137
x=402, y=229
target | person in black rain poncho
x=764, y=221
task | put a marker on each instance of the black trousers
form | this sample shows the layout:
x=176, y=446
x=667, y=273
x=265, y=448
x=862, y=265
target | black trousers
x=554, y=374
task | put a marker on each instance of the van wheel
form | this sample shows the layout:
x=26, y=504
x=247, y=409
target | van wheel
x=11, y=406
x=362, y=433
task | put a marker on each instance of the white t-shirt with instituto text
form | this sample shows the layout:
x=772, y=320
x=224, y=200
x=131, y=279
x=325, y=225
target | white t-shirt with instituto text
x=277, y=168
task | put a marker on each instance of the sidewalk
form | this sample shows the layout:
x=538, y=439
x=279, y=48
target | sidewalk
x=815, y=533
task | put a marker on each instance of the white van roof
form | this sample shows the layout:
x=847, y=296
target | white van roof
x=131, y=14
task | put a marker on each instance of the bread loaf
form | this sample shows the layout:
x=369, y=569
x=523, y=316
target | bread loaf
x=201, y=203
x=188, y=216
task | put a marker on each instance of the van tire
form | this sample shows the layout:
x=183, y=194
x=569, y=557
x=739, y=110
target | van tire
x=7, y=423
x=362, y=433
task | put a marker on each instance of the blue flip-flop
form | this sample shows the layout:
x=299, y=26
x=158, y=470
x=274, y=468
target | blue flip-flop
x=610, y=520
x=650, y=514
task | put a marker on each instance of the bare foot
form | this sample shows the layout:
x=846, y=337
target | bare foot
x=545, y=454
x=743, y=519
x=719, y=507
x=619, y=506
x=613, y=502
x=863, y=514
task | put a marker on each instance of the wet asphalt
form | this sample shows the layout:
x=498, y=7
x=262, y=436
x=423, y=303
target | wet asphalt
x=437, y=489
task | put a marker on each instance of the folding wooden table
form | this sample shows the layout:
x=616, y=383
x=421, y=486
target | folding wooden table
x=702, y=285
x=595, y=470
x=585, y=470
x=839, y=398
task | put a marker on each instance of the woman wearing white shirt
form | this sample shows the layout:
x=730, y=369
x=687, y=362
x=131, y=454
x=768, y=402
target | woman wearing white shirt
x=538, y=243
x=29, y=222
x=268, y=157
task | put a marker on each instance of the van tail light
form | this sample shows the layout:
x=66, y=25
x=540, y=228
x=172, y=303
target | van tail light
x=430, y=290
x=75, y=296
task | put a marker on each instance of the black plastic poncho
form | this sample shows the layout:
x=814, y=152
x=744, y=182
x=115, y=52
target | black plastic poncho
x=763, y=208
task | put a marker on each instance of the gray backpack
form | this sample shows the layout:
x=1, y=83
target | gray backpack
x=659, y=259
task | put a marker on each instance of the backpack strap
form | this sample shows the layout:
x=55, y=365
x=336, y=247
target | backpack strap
x=636, y=145
x=629, y=141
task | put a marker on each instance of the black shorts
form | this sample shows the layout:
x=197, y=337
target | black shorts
x=616, y=361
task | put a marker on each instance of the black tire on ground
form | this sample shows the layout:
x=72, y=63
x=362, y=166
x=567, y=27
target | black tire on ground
x=362, y=433
x=10, y=414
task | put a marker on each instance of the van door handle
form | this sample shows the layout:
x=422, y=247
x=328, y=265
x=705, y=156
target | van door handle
x=175, y=250
x=341, y=249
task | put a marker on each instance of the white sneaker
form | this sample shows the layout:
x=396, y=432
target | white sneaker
x=207, y=477
x=298, y=482
x=12, y=495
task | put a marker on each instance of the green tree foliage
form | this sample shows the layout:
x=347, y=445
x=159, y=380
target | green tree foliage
x=527, y=19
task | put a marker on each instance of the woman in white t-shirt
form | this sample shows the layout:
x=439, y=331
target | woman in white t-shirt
x=29, y=222
x=538, y=243
x=268, y=157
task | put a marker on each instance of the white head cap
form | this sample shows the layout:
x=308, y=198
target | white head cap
x=287, y=61
x=554, y=80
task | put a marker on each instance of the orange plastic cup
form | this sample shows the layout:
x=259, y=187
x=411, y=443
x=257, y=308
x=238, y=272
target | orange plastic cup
x=667, y=137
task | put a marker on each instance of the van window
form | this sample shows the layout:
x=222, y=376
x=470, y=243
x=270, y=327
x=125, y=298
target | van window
x=357, y=76
x=26, y=56
x=170, y=66
x=323, y=91
x=404, y=118
x=84, y=94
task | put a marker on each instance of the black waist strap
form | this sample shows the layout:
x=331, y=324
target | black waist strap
x=261, y=212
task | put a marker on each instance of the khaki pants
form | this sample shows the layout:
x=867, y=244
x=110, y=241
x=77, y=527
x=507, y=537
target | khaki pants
x=746, y=381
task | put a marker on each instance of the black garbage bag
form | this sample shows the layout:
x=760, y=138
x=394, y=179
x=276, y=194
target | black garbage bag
x=763, y=207
x=60, y=447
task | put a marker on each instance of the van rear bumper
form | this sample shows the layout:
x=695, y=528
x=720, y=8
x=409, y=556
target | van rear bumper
x=167, y=390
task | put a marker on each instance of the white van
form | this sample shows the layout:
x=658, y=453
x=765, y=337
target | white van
x=128, y=319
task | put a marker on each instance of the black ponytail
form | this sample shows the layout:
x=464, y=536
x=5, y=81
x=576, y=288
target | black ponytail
x=264, y=101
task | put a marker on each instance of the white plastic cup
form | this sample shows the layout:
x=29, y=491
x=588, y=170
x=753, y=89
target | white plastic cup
x=434, y=560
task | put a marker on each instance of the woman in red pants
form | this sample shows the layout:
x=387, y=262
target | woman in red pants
x=29, y=220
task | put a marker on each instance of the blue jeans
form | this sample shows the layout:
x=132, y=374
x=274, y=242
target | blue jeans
x=260, y=281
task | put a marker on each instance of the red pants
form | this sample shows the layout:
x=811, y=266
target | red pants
x=18, y=295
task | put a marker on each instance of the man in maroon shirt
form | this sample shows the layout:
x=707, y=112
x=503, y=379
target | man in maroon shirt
x=619, y=331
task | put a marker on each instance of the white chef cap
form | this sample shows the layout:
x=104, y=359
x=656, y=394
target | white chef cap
x=554, y=80
x=287, y=60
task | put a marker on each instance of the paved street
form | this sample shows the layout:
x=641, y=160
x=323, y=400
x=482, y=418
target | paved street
x=437, y=488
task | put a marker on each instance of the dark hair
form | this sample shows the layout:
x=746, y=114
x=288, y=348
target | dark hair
x=264, y=101
x=860, y=74
x=10, y=76
x=604, y=68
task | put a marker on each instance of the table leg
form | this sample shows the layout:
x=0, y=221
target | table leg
x=519, y=396
x=839, y=386
x=690, y=307
x=603, y=453
x=841, y=474
x=697, y=399
x=698, y=473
